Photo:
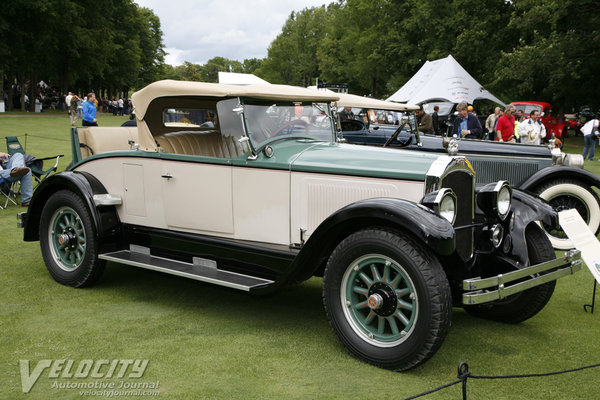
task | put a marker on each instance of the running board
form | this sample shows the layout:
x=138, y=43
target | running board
x=201, y=269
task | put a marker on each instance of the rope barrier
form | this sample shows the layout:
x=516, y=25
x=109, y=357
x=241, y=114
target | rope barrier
x=464, y=374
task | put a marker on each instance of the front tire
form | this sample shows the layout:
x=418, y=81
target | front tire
x=387, y=299
x=565, y=194
x=68, y=241
x=522, y=306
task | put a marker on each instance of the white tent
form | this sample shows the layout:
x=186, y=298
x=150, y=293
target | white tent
x=236, y=78
x=443, y=79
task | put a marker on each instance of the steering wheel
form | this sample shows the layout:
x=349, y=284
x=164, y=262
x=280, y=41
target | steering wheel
x=395, y=136
x=289, y=125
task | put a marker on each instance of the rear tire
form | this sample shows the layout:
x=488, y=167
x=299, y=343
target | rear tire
x=68, y=241
x=524, y=305
x=565, y=194
x=387, y=299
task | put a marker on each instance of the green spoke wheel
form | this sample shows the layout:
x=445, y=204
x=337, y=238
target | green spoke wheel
x=68, y=240
x=387, y=298
x=380, y=300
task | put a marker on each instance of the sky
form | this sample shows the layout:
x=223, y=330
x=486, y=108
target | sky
x=198, y=30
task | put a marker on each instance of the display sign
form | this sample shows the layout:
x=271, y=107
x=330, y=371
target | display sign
x=583, y=239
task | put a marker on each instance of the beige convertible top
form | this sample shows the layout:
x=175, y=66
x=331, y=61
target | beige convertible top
x=142, y=98
x=352, y=100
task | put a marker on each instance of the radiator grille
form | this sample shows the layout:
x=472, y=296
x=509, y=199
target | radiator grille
x=461, y=182
x=513, y=170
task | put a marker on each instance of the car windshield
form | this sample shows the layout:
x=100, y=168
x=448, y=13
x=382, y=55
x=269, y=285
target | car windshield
x=528, y=108
x=265, y=121
x=445, y=107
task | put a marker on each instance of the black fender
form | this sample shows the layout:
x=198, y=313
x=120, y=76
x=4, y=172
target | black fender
x=105, y=219
x=527, y=209
x=422, y=223
x=556, y=172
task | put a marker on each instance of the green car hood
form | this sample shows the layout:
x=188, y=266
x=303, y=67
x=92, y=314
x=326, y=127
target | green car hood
x=348, y=159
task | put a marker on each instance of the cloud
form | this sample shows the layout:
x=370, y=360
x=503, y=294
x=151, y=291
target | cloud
x=197, y=31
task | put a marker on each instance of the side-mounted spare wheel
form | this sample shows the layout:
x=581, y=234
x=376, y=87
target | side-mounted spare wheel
x=387, y=299
x=524, y=305
x=565, y=194
x=68, y=240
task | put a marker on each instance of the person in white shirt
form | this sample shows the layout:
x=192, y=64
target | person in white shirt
x=590, y=131
x=531, y=130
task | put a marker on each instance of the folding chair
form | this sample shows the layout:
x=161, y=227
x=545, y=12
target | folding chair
x=13, y=146
x=8, y=191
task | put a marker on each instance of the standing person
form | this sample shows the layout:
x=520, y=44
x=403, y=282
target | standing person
x=73, y=109
x=505, y=128
x=490, y=123
x=466, y=124
x=68, y=101
x=89, y=111
x=424, y=121
x=520, y=117
x=590, y=131
x=435, y=119
x=120, y=104
x=532, y=130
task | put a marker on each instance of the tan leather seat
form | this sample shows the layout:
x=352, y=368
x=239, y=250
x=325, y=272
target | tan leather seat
x=206, y=143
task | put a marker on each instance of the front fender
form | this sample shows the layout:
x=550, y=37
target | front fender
x=419, y=221
x=86, y=186
x=527, y=209
x=550, y=173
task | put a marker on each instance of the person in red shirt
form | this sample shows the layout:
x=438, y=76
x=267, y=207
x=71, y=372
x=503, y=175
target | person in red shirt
x=505, y=127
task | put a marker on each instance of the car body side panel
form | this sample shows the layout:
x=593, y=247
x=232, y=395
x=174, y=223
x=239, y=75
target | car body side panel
x=315, y=197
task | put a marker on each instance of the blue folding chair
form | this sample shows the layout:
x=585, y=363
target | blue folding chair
x=39, y=174
x=8, y=191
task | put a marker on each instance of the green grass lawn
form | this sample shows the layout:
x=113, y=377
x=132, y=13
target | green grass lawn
x=208, y=342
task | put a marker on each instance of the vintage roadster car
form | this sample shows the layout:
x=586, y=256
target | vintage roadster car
x=248, y=188
x=546, y=171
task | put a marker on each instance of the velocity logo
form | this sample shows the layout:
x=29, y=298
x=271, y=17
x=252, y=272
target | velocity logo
x=66, y=369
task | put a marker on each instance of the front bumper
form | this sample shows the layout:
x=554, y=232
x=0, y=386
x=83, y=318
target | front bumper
x=485, y=290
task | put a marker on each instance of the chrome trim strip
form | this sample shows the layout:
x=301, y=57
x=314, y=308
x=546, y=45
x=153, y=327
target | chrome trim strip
x=567, y=265
x=107, y=200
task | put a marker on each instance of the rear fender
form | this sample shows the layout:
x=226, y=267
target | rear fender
x=105, y=219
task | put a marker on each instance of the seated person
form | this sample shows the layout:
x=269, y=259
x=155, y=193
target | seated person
x=346, y=113
x=13, y=169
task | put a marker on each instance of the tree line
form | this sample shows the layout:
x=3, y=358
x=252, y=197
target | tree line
x=517, y=49
x=520, y=49
x=106, y=46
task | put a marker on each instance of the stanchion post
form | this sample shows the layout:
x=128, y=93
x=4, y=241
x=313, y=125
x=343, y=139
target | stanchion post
x=591, y=306
x=463, y=374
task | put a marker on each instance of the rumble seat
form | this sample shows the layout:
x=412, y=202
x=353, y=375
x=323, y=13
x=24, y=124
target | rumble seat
x=206, y=143
x=94, y=140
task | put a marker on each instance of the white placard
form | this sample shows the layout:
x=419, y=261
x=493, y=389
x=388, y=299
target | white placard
x=584, y=239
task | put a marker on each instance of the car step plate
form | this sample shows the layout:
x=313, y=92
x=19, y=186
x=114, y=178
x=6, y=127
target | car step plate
x=198, y=270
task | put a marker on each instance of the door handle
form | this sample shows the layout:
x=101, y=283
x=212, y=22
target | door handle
x=167, y=176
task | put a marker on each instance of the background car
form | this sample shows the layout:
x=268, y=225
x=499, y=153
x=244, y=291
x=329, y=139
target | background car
x=557, y=177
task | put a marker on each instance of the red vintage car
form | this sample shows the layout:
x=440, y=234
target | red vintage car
x=554, y=125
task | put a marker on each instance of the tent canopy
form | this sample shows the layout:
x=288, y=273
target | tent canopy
x=443, y=79
x=236, y=78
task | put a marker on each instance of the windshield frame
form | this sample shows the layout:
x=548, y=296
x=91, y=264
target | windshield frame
x=279, y=111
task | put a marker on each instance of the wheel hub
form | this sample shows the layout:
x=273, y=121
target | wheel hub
x=382, y=299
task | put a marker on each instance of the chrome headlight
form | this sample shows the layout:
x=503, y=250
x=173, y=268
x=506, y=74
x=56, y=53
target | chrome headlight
x=443, y=202
x=495, y=199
